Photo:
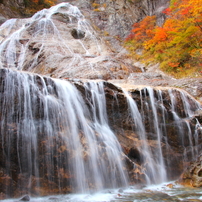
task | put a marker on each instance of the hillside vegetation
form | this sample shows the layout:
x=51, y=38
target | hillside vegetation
x=32, y=6
x=176, y=45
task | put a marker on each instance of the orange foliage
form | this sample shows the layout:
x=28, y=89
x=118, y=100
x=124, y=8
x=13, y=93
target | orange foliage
x=167, y=11
x=141, y=29
x=160, y=34
x=178, y=43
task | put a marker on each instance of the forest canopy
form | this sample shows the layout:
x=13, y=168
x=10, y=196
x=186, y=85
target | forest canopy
x=176, y=45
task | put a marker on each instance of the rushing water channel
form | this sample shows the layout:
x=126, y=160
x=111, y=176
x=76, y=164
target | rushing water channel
x=157, y=193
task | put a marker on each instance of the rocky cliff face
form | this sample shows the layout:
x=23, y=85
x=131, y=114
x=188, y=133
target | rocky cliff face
x=10, y=9
x=45, y=145
x=61, y=43
x=114, y=19
x=192, y=176
x=95, y=48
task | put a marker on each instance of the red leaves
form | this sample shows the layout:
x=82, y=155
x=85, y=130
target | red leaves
x=185, y=11
x=173, y=64
x=144, y=29
x=167, y=11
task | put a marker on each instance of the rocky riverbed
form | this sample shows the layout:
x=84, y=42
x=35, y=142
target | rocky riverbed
x=164, y=192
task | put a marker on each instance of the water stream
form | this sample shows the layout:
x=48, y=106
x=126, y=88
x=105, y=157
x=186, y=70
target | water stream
x=50, y=41
x=58, y=137
x=154, y=193
x=50, y=116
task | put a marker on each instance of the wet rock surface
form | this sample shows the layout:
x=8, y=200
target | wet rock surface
x=20, y=181
x=192, y=176
x=172, y=144
x=157, y=78
x=61, y=43
x=25, y=198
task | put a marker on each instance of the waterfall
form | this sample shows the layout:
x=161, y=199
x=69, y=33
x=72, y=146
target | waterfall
x=152, y=121
x=53, y=137
x=58, y=41
x=155, y=169
x=59, y=136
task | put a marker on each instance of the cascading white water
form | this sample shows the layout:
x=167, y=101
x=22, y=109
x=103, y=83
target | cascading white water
x=151, y=121
x=58, y=40
x=96, y=98
x=184, y=126
x=57, y=137
x=155, y=169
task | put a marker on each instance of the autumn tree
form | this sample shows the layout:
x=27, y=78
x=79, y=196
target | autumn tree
x=177, y=45
x=141, y=32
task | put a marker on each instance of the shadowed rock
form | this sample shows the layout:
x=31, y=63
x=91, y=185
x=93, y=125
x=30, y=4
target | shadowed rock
x=78, y=34
x=25, y=198
x=192, y=176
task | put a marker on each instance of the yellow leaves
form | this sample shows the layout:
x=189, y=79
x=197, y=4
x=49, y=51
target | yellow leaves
x=50, y=2
x=196, y=53
x=33, y=6
x=195, y=7
x=96, y=5
x=147, y=45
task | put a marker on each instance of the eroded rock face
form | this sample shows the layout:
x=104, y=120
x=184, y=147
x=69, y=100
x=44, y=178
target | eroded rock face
x=176, y=133
x=192, y=176
x=114, y=19
x=59, y=42
x=10, y=9
x=117, y=17
x=159, y=133
x=34, y=124
x=63, y=43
